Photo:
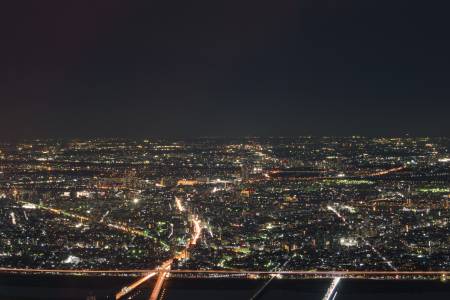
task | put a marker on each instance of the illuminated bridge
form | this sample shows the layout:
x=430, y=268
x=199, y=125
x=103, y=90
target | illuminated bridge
x=242, y=273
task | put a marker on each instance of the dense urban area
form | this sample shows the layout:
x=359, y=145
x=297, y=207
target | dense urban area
x=304, y=203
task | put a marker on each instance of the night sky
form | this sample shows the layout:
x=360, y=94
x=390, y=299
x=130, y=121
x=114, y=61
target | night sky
x=224, y=68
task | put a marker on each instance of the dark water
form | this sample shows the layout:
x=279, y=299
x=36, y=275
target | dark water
x=36, y=287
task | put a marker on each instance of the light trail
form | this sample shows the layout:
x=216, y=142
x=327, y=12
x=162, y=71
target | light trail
x=334, y=297
x=258, y=292
x=374, y=174
x=367, y=243
x=134, y=285
x=171, y=231
x=385, y=172
x=166, y=265
x=103, y=217
x=119, y=227
x=332, y=289
x=336, y=213
x=197, y=231
x=81, y=218
x=128, y=289
x=159, y=283
x=13, y=218
x=210, y=232
x=180, y=206
x=352, y=274
x=273, y=276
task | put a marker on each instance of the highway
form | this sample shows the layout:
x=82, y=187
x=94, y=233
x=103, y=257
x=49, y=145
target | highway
x=164, y=269
x=267, y=176
x=159, y=283
x=129, y=288
x=332, y=289
x=335, y=282
x=311, y=274
x=197, y=231
x=385, y=172
x=382, y=257
x=272, y=277
x=134, y=285
x=116, y=226
x=178, y=204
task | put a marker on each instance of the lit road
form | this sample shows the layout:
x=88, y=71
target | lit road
x=272, y=277
x=258, y=292
x=308, y=274
x=116, y=226
x=331, y=290
x=385, y=260
x=180, y=206
x=61, y=212
x=335, y=282
x=134, y=285
x=166, y=265
x=385, y=172
x=159, y=283
x=128, y=289
x=373, y=174
x=197, y=231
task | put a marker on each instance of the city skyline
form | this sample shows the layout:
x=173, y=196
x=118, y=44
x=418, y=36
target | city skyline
x=244, y=208
x=256, y=149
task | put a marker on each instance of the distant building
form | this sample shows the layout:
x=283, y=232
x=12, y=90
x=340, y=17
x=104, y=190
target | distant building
x=247, y=192
x=187, y=182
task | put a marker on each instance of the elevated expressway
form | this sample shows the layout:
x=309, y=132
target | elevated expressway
x=294, y=274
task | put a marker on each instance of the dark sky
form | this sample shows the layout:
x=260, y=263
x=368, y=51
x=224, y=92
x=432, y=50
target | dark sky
x=193, y=68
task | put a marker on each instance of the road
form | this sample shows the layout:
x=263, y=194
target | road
x=311, y=274
x=382, y=257
x=331, y=290
x=159, y=283
x=317, y=178
x=335, y=282
x=117, y=226
x=197, y=230
x=134, y=285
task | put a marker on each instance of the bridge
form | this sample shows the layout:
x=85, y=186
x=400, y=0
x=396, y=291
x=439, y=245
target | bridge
x=245, y=274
